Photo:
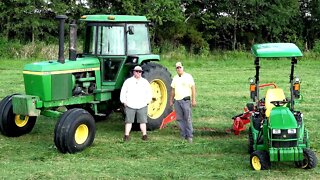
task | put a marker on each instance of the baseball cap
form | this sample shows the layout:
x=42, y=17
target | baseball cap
x=137, y=68
x=178, y=64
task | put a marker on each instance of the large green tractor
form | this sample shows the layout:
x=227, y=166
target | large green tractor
x=277, y=131
x=87, y=86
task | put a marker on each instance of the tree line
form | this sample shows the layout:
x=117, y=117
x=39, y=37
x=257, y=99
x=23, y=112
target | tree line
x=197, y=25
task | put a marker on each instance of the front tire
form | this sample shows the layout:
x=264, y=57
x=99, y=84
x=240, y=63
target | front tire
x=74, y=131
x=14, y=125
x=309, y=161
x=260, y=160
x=160, y=81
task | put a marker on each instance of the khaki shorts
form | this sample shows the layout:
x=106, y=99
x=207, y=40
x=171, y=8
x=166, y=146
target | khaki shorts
x=140, y=114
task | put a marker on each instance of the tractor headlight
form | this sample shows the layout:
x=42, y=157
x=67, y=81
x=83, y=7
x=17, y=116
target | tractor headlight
x=292, y=131
x=251, y=80
x=276, y=131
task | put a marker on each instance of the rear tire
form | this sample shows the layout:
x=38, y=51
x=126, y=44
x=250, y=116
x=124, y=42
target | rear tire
x=14, y=125
x=260, y=160
x=160, y=81
x=74, y=131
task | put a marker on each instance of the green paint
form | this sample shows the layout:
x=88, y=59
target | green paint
x=117, y=18
x=282, y=118
x=269, y=50
x=61, y=86
x=70, y=101
x=53, y=66
x=286, y=154
x=38, y=86
x=25, y=105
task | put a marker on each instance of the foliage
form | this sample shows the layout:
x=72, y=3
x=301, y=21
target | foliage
x=197, y=25
x=9, y=49
x=317, y=46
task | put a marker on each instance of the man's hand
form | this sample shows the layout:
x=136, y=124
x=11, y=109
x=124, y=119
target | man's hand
x=194, y=103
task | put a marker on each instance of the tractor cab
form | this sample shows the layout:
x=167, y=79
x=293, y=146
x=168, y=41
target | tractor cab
x=277, y=131
x=120, y=42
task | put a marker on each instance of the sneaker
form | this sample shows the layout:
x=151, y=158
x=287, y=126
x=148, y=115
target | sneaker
x=189, y=140
x=144, y=137
x=126, y=138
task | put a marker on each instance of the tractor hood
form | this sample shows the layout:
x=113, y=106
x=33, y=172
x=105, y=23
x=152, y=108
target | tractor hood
x=54, y=67
x=282, y=118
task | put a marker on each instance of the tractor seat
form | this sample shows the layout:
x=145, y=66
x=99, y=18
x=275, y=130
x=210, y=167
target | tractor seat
x=275, y=94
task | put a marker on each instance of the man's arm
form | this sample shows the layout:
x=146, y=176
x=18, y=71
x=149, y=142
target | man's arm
x=172, y=94
x=193, y=92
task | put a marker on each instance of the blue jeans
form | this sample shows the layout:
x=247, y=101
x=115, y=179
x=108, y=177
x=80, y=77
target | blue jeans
x=184, y=117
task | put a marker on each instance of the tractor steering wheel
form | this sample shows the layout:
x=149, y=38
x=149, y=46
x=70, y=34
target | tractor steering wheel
x=279, y=103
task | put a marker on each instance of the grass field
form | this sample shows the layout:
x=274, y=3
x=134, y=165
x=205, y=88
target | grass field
x=222, y=91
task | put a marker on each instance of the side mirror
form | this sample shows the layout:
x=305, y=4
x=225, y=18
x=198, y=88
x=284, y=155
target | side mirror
x=131, y=30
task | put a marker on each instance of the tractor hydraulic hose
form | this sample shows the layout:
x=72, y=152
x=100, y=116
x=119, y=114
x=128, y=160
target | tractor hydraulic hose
x=61, y=19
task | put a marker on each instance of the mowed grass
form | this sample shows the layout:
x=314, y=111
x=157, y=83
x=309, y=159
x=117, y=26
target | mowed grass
x=222, y=92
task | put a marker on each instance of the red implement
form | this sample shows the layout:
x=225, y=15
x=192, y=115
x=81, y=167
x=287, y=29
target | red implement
x=171, y=117
x=240, y=121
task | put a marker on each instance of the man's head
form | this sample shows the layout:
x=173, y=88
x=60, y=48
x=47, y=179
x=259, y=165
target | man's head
x=137, y=71
x=179, y=68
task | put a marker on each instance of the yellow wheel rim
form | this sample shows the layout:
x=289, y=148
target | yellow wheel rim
x=21, y=121
x=255, y=161
x=159, y=99
x=81, y=134
x=305, y=162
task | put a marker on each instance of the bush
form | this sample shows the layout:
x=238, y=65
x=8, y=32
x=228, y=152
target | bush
x=9, y=49
x=36, y=50
x=316, y=47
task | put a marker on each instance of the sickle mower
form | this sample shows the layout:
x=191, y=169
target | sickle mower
x=240, y=120
x=277, y=131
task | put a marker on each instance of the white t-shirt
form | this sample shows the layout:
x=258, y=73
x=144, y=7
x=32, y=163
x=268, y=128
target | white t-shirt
x=136, y=93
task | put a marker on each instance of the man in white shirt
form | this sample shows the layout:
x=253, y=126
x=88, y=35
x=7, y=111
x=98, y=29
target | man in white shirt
x=135, y=95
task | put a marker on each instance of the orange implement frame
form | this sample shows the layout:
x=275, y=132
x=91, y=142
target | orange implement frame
x=171, y=117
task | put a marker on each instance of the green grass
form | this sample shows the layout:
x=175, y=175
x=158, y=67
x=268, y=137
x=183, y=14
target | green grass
x=222, y=91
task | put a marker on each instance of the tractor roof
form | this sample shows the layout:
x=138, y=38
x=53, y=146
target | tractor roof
x=268, y=50
x=114, y=18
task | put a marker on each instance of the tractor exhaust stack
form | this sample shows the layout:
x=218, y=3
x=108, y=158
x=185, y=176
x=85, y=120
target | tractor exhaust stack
x=61, y=19
x=73, y=41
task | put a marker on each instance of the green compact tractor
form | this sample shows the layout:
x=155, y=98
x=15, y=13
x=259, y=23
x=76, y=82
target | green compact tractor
x=87, y=86
x=277, y=131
